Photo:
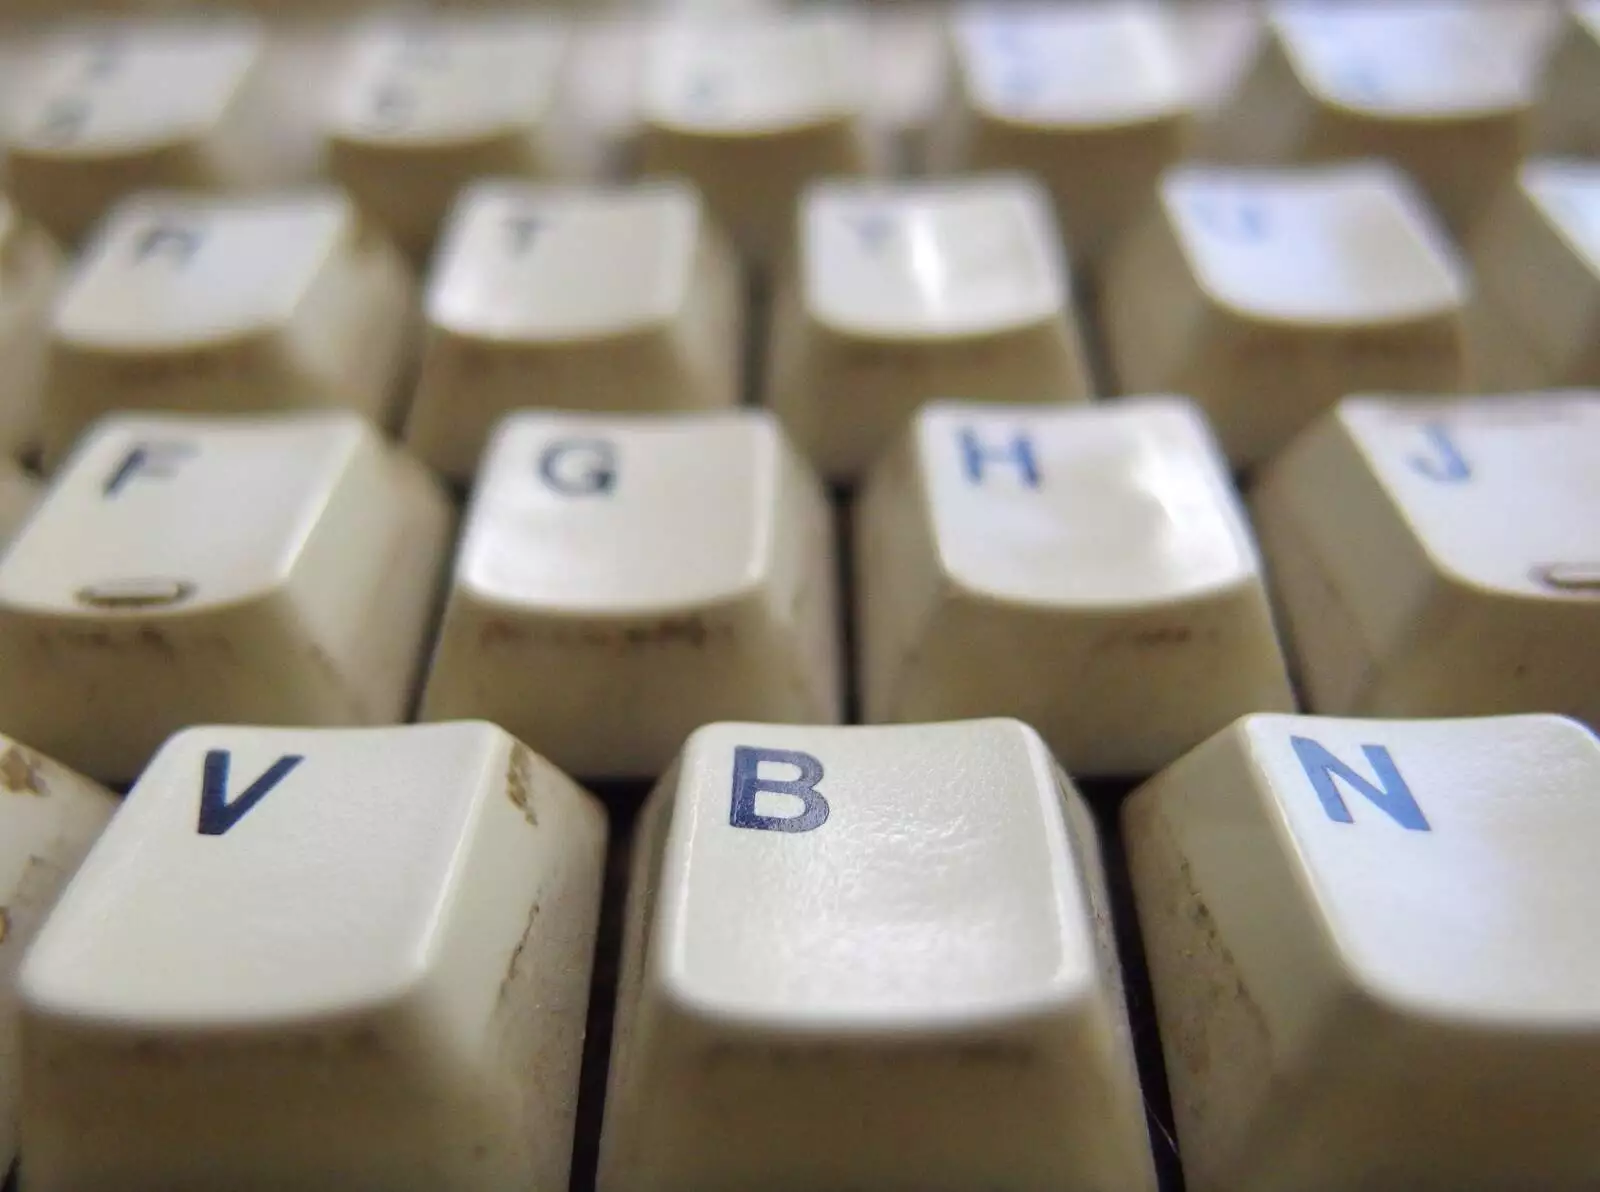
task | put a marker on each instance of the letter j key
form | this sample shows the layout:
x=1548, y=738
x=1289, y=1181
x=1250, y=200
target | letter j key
x=1442, y=558
x=1372, y=946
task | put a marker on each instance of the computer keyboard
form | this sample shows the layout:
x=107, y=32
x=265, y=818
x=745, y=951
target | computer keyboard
x=701, y=597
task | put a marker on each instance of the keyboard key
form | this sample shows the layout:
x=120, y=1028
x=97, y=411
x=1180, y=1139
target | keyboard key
x=1090, y=98
x=1371, y=943
x=18, y=493
x=350, y=958
x=999, y=549
x=122, y=106
x=30, y=276
x=1536, y=317
x=1442, y=558
x=279, y=570
x=600, y=299
x=750, y=107
x=49, y=817
x=673, y=570
x=1438, y=87
x=918, y=290
x=1268, y=295
x=896, y=936
x=430, y=103
x=229, y=305
x=1569, y=117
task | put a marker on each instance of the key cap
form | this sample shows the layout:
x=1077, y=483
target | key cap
x=673, y=570
x=1268, y=295
x=122, y=106
x=1090, y=98
x=1536, y=314
x=751, y=107
x=1569, y=115
x=18, y=492
x=49, y=817
x=907, y=292
x=1001, y=548
x=277, y=570
x=896, y=940
x=1443, y=88
x=431, y=103
x=30, y=274
x=1442, y=558
x=1371, y=947
x=229, y=305
x=603, y=299
x=346, y=958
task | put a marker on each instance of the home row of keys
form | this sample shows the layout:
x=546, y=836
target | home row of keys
x=1265, y=296
x=1096, y=98
x=1086, y=568
x=895, y=939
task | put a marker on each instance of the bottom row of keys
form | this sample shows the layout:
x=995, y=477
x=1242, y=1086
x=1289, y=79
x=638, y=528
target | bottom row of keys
x=854, y=957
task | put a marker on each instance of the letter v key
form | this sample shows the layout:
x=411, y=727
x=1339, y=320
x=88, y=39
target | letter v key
x=217, y=814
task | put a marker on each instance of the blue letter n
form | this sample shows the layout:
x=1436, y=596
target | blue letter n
x=1390, y=795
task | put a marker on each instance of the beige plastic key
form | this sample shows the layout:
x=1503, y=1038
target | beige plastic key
x=913, y=291
x=751, y=107
x=388, y=929
x=18, y=495
x=1085, y=569
x=120, y=106
x=672, y=569
x=49, y=816
x=1267, y=295
x=430, y=103
x=895, y=939
x=1442, y=558
x=30, y=276
x=1443, y=88
x=276, y=569
x=1569, y=110
x=1092, y=98
x=1536, y=265
x=1371, y=944
x=229, y=305
x=613, y=299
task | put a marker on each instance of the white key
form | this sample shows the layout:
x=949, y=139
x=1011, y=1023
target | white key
x=429, y=104
x=229, y=305
x=1536, y=264
x=907, y=292
x=118, y=107
x=1372, y=947
x=896, y=936
x=1444, y=88
x=593, y=299
x=49, y=817
x=1091, y=98
x=30, y=275
x=999, y=549
x=1569, y=112
x=751, y=107
x=1267, y=295
x=671, y=571
x=351, y=958
x=18, y=494
x=1442, y=558
x=279, y=570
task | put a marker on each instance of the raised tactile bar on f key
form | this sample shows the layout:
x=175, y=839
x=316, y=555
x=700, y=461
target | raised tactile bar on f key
x=340, y=959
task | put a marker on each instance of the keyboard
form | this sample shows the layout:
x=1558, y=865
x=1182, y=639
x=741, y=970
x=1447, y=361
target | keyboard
x=700, y=597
